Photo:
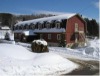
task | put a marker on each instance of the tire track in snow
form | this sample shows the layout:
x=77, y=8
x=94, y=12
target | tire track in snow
x=86, y=67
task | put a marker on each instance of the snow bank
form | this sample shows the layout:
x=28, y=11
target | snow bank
x=90, y=52
x=92, y=48
x=7, y=42
x=15, y=60
x=15, y=51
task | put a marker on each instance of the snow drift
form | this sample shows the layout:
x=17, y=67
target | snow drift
x=15, y=60
x=15, y=51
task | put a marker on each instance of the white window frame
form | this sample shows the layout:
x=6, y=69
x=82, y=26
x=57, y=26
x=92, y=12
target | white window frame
x=76, y=27
x=48, y=25
x=58, y=36
x=49, y=36
x=58, y=25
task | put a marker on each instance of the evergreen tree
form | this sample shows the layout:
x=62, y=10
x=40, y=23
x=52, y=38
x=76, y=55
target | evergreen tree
x=62, y=42
x=92, y=27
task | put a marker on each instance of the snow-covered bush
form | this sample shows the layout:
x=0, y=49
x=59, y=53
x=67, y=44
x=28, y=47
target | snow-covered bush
x=7, y=36
x=39, y=46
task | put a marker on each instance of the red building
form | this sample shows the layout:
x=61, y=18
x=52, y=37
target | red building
x=69, y=28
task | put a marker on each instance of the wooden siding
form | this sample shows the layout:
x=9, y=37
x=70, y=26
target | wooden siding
x=70, y=29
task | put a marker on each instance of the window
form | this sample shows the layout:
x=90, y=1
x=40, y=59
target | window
x=58, y=37
x=17, y=27
x=49, y=36
x=76, y=27
x=41, y=36
x=39, y=26
x=48, y=25
x=33, y=26
x=58, y=25
x=21, y=27
x=26, y=26
x=30, y=26
x=43, y=26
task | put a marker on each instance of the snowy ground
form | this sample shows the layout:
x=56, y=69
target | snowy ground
x=19, y=61
x=16, y=60
x=89, y=52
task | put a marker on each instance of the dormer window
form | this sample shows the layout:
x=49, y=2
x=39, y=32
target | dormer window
x=25, y=26
x=43, y=26
x=21, y=27
x=39, y=26
x=30, y=26
x=58, y=25
x=33, y=26
x=48, y=25
x=17, y=27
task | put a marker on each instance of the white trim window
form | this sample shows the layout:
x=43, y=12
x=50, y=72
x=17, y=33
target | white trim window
x=49, y=36
x=58, y=25
x=58, y=37
x=76, y=27
x=48, y=25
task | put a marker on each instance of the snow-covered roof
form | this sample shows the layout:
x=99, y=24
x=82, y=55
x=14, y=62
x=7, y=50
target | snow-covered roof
x=43, y=42
x=44, y=30
x=5, y=28
x=41, y=20
x=26, y=32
